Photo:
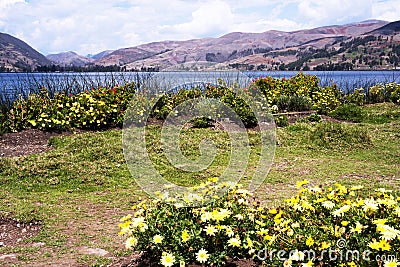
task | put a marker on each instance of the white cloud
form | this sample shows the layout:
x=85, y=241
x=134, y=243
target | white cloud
x=90, y=26
x=210, y=19
x=334, y=11
x=387, y=10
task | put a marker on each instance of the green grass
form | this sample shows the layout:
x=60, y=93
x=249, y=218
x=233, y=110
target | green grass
x=79, y=190
x=381, y=113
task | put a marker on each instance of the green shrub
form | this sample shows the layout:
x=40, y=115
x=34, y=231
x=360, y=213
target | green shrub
x=348, y=112
x=4, y=128
x=202, y=122
x=241, y=108
x=314, y=118
x=358, y=97
x=282, y=120
x=293, y=103
x=393, y=92
x=376, y=94
x=236, y=225
x=379, y=93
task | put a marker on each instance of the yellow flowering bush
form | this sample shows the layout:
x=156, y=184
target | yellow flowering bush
x=96, y=108
x=389, y=92
x=322, y=99
x=332, y=226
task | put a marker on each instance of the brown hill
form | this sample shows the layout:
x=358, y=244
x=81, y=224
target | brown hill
x=232, y=48
x=389, y=28
x=69, y=59
x=16, y=55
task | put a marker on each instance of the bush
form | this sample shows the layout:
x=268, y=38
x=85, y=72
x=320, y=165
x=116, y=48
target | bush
x=293, y=103
x=379, y=93
x=348, y=112
x=358, y=97
x=311, y=223
x=282, y=120
x=300, y=92
x=314, y=118
x=202, y=122
x=241, y=108
x=101, y=107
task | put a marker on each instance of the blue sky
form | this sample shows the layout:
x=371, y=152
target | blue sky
x=92, y=26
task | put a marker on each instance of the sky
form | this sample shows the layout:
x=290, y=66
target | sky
x=92, y=26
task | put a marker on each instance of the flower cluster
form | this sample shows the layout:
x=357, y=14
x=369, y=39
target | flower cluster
x=315, y=220
x=301, y=86
x=96, y=108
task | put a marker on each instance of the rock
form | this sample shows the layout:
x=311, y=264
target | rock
x=38, y=244
x=8, y=257
x=93, y=251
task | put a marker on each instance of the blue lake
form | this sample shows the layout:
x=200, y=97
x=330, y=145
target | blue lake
x=13, y=84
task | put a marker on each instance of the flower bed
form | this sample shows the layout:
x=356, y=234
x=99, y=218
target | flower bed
x=332, y=226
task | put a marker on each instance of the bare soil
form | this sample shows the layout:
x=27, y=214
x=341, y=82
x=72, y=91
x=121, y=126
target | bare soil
x=30, y=141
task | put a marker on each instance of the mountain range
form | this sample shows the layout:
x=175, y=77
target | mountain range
x=371, y=44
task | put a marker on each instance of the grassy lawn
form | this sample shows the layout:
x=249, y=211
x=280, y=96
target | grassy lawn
x=80, y=189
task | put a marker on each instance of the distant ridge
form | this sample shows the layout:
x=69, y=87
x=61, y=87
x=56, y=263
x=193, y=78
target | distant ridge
x=390, y=28
x=234, y=49
x=69, y=59
x=16, y=55
x=371, y=44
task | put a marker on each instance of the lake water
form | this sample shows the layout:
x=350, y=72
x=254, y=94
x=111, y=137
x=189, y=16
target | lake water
x=12, y=84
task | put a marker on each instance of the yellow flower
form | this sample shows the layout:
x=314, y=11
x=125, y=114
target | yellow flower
x=358, y=229
x=374, y=245
x=328, y=204
x=229, y=232
x=210, y=230
x=301, y=183
x=345, y=223
x=131, y=242
x=392, y=263
x=249, y=243
x=341, y=211
x=370, y=205
x=182, y=264
x=290, y=232
x=384, y=245
x=309, y=241
x=380, y=221
x=213, y=180
x=234, y=242
x=167, y=259
x=273, y=211
x=220, y=215
x=288, y=263
x=185, y=235
x=157, y=239
x=124, y=227
x=308, y=264
x=387, y=232
x=127, y=217
x=202, y=256
x=324, y=245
